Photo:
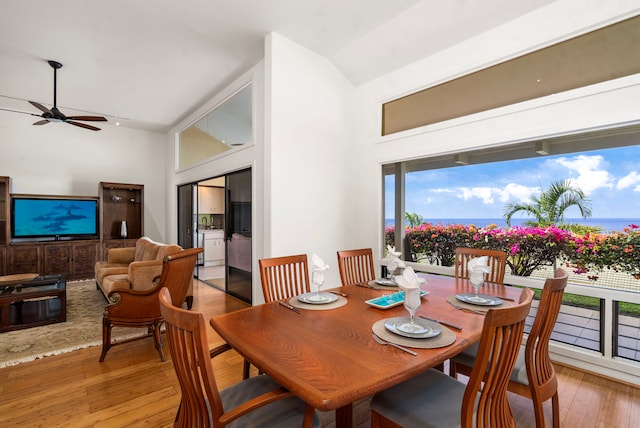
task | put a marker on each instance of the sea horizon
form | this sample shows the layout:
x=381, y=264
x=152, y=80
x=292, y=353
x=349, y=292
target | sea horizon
x=606, y=224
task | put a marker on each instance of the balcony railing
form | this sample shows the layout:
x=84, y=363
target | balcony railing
x=599, y=338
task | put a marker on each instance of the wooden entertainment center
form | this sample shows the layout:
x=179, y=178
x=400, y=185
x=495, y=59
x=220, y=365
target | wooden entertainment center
x=75, y=259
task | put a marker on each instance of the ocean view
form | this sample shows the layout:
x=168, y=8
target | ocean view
x=607, y=224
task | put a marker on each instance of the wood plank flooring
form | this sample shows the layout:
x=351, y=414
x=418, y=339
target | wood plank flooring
x=133, y=388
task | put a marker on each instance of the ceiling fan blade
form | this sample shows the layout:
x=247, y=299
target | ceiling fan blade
x=82, y=125
x=41, y=122
x=40, y=107
x=89, y=118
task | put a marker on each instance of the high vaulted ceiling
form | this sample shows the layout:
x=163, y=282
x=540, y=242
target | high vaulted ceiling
x=150, y=63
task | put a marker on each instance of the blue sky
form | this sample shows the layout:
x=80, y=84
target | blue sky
x=610, y=178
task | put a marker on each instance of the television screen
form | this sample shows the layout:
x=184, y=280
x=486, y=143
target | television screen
x=53, y=218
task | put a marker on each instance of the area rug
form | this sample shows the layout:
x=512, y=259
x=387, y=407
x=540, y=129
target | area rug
x=83, y=329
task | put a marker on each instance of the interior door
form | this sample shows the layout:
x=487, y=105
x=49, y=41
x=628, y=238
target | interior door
x=186, y=218
x=238, y=228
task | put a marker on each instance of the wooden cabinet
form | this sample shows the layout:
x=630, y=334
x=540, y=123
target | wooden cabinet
x=210, y=200
x=3, y=261
x=25, y=258
x=57, y=259
x=120, y=202
x=214, y=248
x=83, y=258
x=75, y=260
x=5, y=209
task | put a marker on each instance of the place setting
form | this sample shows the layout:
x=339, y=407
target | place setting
x=393, y=263
x=412, y=331
x=317, y=300
x=475, y=302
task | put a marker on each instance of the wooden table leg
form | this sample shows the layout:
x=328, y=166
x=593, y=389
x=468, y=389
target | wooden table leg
x=344, y=416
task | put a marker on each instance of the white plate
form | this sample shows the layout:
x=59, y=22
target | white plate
x=482, y=299
x=429, y=328
x=317, y=299
x=390, y=301
x=386, y=282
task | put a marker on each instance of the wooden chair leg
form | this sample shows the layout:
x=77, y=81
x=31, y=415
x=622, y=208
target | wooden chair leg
x=453, y=370
x=189, y=301
x=157, y=338
x=106, y=338
x=245, y=369
x=539, y=413
x=555, y=407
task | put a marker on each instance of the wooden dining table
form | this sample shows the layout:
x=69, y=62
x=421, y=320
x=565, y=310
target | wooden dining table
x=330, y=359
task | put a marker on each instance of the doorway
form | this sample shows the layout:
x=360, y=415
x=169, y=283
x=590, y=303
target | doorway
x=215, y=215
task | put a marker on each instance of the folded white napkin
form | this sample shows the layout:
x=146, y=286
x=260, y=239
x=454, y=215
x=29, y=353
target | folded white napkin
x=392, y=259
x=477, y=267
x=409, y=282
x=318, y=266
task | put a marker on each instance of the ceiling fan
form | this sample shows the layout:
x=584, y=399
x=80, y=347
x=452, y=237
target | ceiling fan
x=55, y=115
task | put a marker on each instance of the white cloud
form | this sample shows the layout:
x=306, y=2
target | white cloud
x=628, y=181
x=590, y=169
x=488, y=194
x=518, y=191
x=442, y=190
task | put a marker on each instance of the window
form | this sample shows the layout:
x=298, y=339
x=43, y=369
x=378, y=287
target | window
x=226, y=127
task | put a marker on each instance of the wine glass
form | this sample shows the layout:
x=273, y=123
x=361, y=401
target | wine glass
x=477, y=280
x=392, y=266
x=411, y=304
x=317, y=278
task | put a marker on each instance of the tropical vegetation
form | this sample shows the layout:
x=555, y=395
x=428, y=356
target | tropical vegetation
x=529, y=247
x=549, y=207
x=543, y=241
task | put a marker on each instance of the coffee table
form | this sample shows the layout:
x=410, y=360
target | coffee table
x=32, y=302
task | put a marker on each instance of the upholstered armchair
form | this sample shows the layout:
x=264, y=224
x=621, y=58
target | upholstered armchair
x=134, y=268
x=141, y=308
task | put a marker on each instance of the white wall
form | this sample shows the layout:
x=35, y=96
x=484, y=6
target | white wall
x=60, y=159
x=309, y=149
x=249, y=156
x=598, y=106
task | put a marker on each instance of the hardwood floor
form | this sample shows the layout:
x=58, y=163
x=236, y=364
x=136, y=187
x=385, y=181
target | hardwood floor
x=133, y=388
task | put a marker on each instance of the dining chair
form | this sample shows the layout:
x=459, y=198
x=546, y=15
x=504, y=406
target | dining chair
x=140, y=308
x=433, y=399
x=497, y=261
x=257, y=401
x=533, y=376
x=284, y=277
x=281, y=278
x=356, y=266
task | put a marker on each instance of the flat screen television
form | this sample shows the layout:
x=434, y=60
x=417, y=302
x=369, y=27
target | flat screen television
x=53, y=218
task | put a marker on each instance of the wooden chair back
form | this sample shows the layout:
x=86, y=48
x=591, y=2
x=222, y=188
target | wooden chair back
x=497, y=260
x=187, y=336
x=485, y=402
x=201, y=404
x=356, y=266
x=177, y=273
x=543, y=382
x=284, y=277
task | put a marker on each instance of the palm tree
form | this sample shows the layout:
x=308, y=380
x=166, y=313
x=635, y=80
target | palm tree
x=413, y=219
x=549, y=207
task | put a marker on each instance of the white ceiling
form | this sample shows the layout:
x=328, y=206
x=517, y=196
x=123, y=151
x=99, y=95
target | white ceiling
x=152, y=62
